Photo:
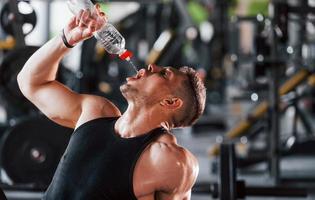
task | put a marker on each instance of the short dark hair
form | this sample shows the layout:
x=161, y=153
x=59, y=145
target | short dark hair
x=193, y=92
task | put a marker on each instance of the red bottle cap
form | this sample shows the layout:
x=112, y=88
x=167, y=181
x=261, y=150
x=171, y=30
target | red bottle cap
x=125, y=55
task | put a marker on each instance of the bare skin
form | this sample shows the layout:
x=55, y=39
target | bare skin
x=164, y=170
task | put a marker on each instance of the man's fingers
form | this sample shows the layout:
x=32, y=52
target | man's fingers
x=72, y=23
x=85, y=18
x=99, y=12
x=100, y=23
x=90, y=21
x=78, y=17
x=97, y=7
x=92, y=26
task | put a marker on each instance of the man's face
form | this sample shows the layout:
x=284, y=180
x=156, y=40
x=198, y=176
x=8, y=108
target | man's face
x=152, y=84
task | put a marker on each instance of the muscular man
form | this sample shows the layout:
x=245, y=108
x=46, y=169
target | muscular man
x=110, y=155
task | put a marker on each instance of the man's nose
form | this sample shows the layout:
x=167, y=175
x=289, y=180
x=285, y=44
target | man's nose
x=142, y=72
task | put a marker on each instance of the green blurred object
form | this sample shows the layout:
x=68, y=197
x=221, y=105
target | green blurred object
x=255, y=7
x=258, y=7
x=232, y=7
x=197, y=12
x=104, y=7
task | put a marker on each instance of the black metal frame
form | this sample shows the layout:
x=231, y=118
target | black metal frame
x=229, y=188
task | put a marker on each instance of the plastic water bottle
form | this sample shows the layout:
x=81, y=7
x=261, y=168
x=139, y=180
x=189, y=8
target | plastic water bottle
x=112, y=41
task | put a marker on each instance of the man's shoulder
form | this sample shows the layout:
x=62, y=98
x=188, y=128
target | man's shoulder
x=167, y=144
x=169, y=152
x=93, y=107
x=99, y=105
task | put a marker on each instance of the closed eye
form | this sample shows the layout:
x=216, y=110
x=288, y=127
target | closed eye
x=164, y=73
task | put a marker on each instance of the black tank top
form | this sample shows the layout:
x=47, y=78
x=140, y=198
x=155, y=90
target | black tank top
x=98, y=163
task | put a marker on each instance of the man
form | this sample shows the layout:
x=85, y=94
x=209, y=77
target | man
x=112, y=156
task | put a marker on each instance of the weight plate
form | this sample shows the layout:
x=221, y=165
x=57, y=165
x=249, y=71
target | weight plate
x=28, y=19
x=31, y=150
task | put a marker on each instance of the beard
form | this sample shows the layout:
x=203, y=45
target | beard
x=128, y=91
x=133, y=94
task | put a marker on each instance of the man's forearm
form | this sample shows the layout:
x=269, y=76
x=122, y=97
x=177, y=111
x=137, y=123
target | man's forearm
x=42, y=66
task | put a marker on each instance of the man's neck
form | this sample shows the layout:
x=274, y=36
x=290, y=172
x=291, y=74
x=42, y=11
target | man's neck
x=137, y=121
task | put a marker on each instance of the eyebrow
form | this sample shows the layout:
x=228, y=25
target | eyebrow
x=168, y=68
x=172, y=69
x=176, y=72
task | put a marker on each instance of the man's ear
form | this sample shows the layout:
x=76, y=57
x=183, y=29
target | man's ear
x=172, y=103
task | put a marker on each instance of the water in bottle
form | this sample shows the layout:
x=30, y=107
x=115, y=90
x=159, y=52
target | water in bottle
x=112, y=41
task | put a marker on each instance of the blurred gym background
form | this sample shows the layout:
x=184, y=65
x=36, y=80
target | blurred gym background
x=256, y=57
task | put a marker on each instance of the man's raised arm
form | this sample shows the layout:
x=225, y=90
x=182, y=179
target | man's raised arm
x=37, y=79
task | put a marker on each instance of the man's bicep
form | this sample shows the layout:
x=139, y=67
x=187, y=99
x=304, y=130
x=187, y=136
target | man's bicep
x=181, y=169
x=184, y=192
x=57, y=102
x=187, y=173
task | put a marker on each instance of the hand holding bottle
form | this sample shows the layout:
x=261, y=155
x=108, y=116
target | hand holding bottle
x=106, y=34
x=84, y=24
